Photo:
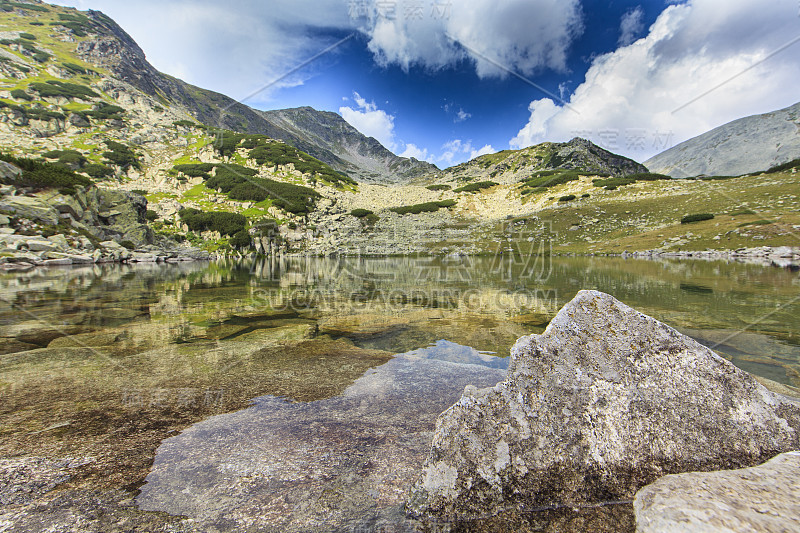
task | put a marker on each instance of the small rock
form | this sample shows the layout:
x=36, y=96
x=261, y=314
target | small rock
x=761, y=498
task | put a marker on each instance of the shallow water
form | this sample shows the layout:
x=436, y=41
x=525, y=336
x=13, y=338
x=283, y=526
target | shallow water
x=352, y=356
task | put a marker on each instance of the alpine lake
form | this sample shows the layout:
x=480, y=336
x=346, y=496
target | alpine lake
x=301, y=393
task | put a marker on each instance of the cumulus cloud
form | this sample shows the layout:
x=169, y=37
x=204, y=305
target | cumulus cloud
x=370, y=121
x=523, y=35
x=654, y=93
x=487, y=149
x=631, y=26
x=457, y=151
x=416, y=152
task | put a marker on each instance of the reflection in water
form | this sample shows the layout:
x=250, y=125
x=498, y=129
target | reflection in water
x=337, y=464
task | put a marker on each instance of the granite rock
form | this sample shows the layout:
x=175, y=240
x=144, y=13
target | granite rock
x=605, y=401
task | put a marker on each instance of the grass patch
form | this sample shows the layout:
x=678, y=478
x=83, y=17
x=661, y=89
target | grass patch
x=438, y=187
x=567, y=198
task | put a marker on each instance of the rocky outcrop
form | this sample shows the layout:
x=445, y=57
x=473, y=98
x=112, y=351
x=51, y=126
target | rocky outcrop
x=750, y=144
x=761, y=498
x=330, y=138
x=604, y=402
x=94, y=225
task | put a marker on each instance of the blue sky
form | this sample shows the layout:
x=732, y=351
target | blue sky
x=445, y=80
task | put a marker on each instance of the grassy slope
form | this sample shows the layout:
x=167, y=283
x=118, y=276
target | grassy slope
x=749, y=211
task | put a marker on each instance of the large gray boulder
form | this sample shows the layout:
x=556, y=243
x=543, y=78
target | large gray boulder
x=606, y=401
x=760, y=498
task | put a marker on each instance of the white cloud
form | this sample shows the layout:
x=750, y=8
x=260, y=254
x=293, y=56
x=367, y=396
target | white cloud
x=414, y=151
x=488, y=149
x=633, y=99
x=523, y=35
x=457, y=151
x=370, y=121
x=631, y=26
x=462, y=115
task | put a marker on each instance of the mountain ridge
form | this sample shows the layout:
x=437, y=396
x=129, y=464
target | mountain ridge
x=117, y=51
x=745, y=145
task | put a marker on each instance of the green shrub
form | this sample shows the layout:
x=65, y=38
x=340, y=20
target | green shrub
x=66, y=157
x=438, y=187
x=184, y=123
x=688, y=219
x=195, y=170
x=241, y=239
x=785, y=166
x=98, y=171
x=550, y=178
x=36, y=23
x=44, y=175
x=585, y=195
x=225, y=223
x=44, y=114
x=360, y=213
x=10, y=6
x=28, y=36
x=762, y=222
x=104, y=111
x=567, y=198
x=19, y=94
x=78, y=24
x=629, y=179
x=718, y=178
x=151, y=215
x=427, y=207
x=63, y=89
x=647, y=176
x=743, y=212
x=121, y=155
x=73, y=68
x=474, y=187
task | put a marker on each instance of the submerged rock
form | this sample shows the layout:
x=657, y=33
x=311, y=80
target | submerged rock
x=760, y=498
x=606, y=401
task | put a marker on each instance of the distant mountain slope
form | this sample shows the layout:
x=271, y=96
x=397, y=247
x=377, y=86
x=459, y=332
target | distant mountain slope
x=370, y=160
x=324, y=135
x=511, y=166
x=746, y=145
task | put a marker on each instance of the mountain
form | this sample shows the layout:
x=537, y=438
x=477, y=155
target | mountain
x=511, y=166
x=325, y=135
x=743, y=146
